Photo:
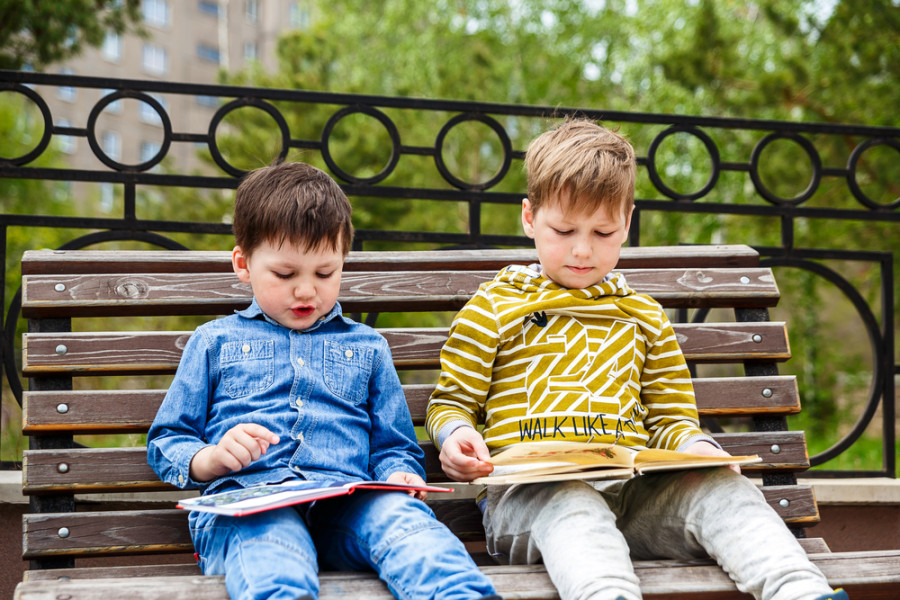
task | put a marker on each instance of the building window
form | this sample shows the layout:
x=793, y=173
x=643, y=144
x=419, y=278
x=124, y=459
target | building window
x=155, y=60
x=298, y=15
x=67, y=143
x=209, y=7
x=115, y=107
x=112, y=47
x=149, y=150
x=156, y=12
x=251, y=11
x=208, y=101
x=251, y=51
x=111, y=143
x=66, y=92
x=107, y=197
x=149, y=115
x=208, y=53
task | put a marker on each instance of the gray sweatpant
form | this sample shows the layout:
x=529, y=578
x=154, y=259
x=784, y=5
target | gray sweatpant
x=586, y=538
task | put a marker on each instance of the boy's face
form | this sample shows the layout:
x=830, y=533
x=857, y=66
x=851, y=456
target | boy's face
x=295, y=287
x=576, y=249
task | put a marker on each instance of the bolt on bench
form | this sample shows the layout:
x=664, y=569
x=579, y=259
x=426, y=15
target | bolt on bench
x=94, y=314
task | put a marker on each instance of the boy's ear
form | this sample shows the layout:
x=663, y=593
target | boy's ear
x=239, y=264
x=527, y=218
x=628, y=221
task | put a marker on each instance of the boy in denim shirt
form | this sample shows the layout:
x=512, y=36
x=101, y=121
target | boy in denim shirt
x=290, y=389
x=567, y=342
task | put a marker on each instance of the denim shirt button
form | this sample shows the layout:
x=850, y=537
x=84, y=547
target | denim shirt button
x=245, y=348
x=181, y=479
x=300, y=362
x=348, y=353
x=300, y=437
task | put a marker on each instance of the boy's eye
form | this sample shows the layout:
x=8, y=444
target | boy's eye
x=324, y=275
x=562, y=231
x=603, y=233
x=283, y=275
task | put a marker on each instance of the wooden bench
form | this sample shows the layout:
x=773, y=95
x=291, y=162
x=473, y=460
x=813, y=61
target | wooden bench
x=94, y=313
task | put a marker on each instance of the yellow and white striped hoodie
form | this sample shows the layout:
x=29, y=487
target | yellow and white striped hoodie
x=536, y=361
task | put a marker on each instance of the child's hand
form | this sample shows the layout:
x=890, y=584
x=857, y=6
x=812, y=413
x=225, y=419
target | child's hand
x=464, y=455
x=409, y=479
x=240, y=446
x=706, y=449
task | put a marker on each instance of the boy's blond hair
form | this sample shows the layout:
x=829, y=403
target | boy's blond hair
x=583, y=164
x=291, y=203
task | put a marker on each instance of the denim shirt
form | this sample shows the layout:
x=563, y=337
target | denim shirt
x=330, y=392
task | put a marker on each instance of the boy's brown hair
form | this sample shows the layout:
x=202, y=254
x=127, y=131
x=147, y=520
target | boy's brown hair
x=584, y=164
x=292, y=203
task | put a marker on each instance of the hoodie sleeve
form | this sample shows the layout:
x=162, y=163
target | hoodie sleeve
x=668, y=394
x=467, y=360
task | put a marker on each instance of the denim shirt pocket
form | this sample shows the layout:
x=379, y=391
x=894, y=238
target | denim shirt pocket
x=247, y=367
x=347, y=370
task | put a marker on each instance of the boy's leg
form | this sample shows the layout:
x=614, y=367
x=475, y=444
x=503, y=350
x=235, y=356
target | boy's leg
x=716, y=511
x=267, y=555
x=398, y=537
x=571, y=528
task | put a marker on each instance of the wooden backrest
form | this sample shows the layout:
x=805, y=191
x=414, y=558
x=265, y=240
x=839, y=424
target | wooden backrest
x=86, y=309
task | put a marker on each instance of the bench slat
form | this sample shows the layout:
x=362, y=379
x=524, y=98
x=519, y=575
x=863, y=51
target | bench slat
x=395, y=291
x=95, y=470
x=111, y=353
x=862, y=574
x=189, y=569
x=132, y=411
x=156, y=261
x=128, y=532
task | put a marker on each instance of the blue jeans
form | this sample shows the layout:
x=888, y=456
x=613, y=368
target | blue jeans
x=276, y=554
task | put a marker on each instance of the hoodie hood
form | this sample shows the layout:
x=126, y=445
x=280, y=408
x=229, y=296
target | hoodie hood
x=529, y=280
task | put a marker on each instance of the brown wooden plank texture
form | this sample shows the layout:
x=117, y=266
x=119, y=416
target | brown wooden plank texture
x=115, y=533
x=810, y=545
x=132, y=411
x=153, y=352
x=865, y=575
x=95, y=470
x=157, y=261
x=395, y=291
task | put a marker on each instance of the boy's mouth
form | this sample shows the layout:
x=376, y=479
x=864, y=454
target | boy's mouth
x=302, y=311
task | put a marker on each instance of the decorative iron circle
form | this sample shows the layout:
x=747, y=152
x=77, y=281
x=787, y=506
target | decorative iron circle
x=142, y=97
x=814, y=159
x=388, y=125
x=710, y=148
x=48, y=125
x=234, y=105
x=871, y=327
x=504, y=142
x=853, y=163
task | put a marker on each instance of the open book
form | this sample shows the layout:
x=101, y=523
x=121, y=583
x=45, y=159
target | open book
x=533, y=462
x=247, y=501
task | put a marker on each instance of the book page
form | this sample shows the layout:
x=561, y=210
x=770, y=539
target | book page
x=545, y=475
x=669, y=460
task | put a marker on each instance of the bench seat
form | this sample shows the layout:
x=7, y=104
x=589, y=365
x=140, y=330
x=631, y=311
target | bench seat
x=106, y=329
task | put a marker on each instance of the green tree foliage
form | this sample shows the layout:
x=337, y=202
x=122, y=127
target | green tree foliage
x=40, y=32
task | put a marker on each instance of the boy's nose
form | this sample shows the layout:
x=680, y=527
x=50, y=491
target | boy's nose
x=581, y=249
x=304, y=290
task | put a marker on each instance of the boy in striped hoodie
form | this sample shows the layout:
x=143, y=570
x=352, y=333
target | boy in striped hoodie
x=564, y=350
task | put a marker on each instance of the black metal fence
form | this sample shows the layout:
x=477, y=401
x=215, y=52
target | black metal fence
x=709, y=140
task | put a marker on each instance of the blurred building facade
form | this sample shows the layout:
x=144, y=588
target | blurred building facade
x=184, y=41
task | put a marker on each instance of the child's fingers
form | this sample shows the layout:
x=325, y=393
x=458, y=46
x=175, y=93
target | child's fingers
x=261, y=433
